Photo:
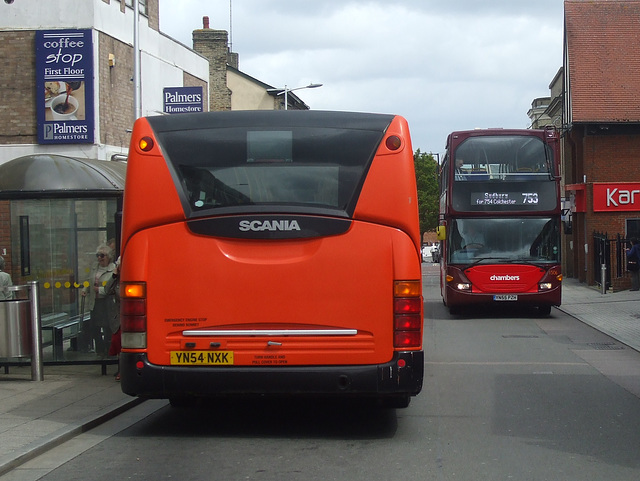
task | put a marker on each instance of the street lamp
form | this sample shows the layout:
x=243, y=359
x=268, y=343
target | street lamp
x=137, y=85
x=286, y=90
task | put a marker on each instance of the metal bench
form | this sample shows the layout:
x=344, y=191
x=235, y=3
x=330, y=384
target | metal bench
x=57, y=328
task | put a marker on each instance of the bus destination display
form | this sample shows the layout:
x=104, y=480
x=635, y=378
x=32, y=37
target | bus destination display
x=504, y=198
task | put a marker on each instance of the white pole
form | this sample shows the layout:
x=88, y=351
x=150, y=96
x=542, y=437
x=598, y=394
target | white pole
x=286, y=100
x=136, y=61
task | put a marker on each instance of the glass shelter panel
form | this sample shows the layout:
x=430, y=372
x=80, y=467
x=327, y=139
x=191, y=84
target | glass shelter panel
x=55, y=243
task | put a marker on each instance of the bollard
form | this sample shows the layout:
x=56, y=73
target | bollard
x=37, y=373
x=603, y=278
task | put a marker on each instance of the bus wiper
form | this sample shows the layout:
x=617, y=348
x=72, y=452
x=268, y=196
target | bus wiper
x=480, y=259
x=531, y=262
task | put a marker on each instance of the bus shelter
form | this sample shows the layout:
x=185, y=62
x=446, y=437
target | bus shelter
x=54, y=213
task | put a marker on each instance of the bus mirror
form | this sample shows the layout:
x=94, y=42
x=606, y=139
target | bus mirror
x=441, y=232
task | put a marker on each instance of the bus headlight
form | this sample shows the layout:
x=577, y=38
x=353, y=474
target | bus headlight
x=463, y=286
x=544, y=286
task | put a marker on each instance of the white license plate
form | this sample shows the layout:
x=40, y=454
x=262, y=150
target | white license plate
x=505, y=297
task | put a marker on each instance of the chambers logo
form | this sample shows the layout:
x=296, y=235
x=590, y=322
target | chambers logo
x=270, y=225
x=506, y=277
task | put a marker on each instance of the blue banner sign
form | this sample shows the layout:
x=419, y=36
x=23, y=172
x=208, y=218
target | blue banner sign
x=64, y=86
x=181, y=100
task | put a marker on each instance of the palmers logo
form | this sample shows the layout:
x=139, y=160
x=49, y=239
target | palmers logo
x=63, y=130
x=506, y=277
x=270, y=225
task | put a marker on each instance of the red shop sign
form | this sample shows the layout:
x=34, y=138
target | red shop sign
x=615, y=197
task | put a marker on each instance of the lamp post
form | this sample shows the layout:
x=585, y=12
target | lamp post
x=137, y=86
x=286, y=91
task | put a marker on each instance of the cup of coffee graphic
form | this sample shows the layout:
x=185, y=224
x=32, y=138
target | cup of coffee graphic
x=63, y=108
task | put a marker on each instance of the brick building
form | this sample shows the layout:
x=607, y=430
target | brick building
x=109, y=27
x=165, y=63
x=601, y=124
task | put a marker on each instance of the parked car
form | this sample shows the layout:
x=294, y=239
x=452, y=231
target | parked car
x=426, y=252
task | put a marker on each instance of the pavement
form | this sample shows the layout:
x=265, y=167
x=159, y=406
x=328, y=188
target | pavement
x=616, y=314
x=36, y=416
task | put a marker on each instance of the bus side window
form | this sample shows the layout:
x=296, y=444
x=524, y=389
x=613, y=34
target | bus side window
x=444, y=174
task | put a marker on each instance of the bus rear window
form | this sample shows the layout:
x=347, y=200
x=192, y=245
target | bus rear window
x=295, y=167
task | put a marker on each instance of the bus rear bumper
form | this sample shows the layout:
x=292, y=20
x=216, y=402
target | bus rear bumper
x=141, y=378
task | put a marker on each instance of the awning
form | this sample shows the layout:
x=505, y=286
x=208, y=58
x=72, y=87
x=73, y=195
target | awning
x=43, y=175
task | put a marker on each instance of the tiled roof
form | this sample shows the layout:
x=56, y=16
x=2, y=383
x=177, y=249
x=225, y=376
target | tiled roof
x=603, y=46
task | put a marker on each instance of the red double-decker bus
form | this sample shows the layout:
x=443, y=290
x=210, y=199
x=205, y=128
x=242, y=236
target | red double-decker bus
x=500, y=219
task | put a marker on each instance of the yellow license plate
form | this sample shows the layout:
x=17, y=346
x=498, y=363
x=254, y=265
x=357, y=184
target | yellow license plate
x=202, y=358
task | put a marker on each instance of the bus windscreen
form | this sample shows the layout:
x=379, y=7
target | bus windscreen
x=520, y=239
x=503, y=158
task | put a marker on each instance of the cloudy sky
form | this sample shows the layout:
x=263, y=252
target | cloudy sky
x=442, y=64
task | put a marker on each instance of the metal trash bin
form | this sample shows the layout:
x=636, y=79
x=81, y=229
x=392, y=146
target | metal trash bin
x=15, y=328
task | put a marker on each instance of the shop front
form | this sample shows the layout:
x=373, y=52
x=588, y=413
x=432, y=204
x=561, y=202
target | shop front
x=604, y=217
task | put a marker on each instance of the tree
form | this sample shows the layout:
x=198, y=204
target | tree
x=427, y=169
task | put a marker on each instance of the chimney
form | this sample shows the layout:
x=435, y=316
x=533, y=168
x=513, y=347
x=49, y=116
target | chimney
x=213, y=45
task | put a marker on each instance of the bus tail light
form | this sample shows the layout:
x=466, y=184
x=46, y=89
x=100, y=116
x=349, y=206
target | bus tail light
x=133, y=315
x=407, y=314
x=145, y=144
x=393, y=142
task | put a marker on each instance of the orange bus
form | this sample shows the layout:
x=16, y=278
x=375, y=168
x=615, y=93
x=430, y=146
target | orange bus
x=271, y=252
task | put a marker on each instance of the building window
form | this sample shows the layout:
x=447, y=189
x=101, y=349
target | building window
x=143, y=6
x=633, y=228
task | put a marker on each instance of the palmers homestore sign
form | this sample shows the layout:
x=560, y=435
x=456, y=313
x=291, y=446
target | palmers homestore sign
x=616, y=197
x=182, y=100
x=64, y=86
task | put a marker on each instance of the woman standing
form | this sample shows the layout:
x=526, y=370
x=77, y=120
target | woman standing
x=97, y=300
x=5, y=281
x=113, y=292
x=633, y=264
